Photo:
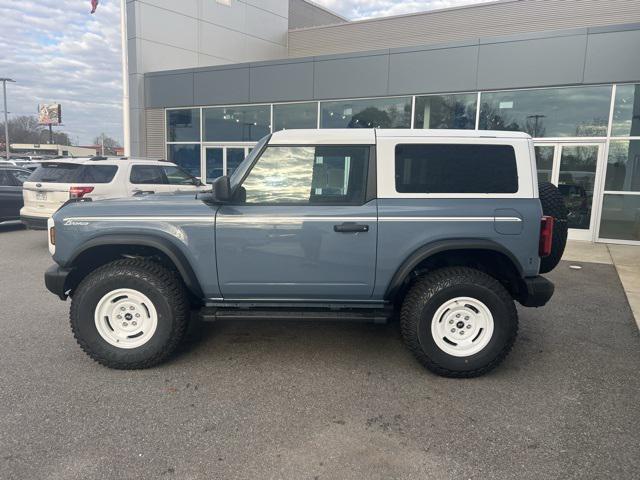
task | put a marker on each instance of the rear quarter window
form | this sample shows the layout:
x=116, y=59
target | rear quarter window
x=96, y=173
x=455, y=168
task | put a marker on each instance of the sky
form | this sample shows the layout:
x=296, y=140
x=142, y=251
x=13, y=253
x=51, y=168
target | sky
x=59, y=53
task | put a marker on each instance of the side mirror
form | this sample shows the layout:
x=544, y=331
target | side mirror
x=222, y=189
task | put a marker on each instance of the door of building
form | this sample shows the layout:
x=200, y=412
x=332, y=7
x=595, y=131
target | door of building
x=576, y=169
x=218, y=160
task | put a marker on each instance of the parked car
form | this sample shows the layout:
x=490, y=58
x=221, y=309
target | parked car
x=11, y=179
x=27, y=164
x=55, y=182
x=445, y=227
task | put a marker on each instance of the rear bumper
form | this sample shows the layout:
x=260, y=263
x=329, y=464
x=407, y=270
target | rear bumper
x=34, y=223
x=55, y=279
x=535, y=291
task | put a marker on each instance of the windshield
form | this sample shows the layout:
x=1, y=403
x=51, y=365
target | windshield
x=240, y=172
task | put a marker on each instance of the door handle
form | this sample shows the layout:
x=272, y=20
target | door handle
x=350, y=227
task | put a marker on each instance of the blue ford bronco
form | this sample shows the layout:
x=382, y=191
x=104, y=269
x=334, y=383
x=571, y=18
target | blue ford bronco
x=444, y=229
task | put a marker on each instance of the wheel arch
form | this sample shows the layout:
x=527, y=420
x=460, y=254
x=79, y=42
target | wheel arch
x=443, y=248
x=110, y=247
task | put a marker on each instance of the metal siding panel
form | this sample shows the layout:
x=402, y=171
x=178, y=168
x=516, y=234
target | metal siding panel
x=427, y=71
x=222, y=86
x=155, y=132
x=361, y=76
x=451, y=25
x=613, y=57
x=284, y=82
x=549, y=61
x=171, y=90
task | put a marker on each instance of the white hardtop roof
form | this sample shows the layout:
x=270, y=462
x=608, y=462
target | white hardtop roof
x=368, y=135
x=108, y=161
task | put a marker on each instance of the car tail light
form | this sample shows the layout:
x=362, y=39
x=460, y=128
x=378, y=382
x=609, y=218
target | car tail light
x=546, y=236
x=79, y=192
x=52, y=235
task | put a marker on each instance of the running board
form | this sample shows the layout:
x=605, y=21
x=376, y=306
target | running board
x=378, y=315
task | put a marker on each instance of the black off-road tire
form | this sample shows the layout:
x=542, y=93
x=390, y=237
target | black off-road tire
x=430, y=292
x=162, y=286
x=553, y=205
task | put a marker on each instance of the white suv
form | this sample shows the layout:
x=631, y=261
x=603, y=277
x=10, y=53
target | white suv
x=57, y=181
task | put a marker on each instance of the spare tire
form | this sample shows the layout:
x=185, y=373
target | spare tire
x=553, y=206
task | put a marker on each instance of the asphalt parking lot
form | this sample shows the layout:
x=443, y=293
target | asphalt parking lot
x=267, y=399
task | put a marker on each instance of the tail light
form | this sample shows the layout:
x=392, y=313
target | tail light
x=546, y=236
x=79, y=192
x=52, y=235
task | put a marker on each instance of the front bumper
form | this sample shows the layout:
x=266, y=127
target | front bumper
x=535, y=291
x=34, y=223
x=55, y=279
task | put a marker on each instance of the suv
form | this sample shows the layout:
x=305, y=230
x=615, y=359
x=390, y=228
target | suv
x=55, y=182
x=443, y=227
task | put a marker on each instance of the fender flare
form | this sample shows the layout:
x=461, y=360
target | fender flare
x=426, y=251
x=167, y=247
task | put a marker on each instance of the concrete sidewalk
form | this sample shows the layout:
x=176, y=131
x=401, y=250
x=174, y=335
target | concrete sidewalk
x=626, y=259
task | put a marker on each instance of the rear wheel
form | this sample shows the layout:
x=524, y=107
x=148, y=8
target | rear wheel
x=130, y=314
x=459, y=322
x=553, y=205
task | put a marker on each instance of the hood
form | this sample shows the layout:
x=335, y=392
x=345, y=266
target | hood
x=183, y=204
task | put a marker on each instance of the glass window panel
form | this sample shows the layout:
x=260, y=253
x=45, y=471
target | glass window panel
x=550, y=112
x=446, y=111
x=237, y=124
x=183, y=125
x=308, y=175
x=626, y=111
x=576, y=182
x=620, y=217
x=544, y=161
x=295, y=115
x=214, y=163
x=623, y=166
x=374, y=113
x=187, y=156
x=235, y=156
x=440, y=168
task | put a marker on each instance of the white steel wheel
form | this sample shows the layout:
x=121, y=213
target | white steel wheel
x=126, y=318
x=462, y=326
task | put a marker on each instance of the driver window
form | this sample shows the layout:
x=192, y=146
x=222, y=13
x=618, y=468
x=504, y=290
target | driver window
x=177, y=176
x=308, y=175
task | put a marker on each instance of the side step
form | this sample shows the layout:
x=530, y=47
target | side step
x=378, y=315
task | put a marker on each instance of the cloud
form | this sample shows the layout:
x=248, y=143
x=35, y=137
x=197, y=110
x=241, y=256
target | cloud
x=57, y=52
x=360, y=9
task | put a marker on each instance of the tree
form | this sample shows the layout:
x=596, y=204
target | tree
x=26, y=129
x=110, y=144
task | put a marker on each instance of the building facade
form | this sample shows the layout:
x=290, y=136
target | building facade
x=566, y=72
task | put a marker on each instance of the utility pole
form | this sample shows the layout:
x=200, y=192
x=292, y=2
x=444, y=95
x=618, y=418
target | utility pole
x=6, y=114
x=102, y=143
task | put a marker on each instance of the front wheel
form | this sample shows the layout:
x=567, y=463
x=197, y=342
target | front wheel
x=130, y=314
x=459, y=322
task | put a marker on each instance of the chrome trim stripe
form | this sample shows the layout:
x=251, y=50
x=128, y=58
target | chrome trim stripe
x=450, y=219
x=287, y=219
x=142, y=219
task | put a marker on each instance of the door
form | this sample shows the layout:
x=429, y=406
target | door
x=222, y=160
x=300, y=227
x=10, y=195
x=575, y=168
x=149, y=178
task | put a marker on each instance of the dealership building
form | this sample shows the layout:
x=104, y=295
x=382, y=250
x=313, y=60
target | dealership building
x=208, y=78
